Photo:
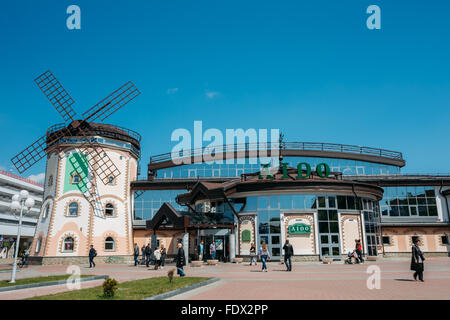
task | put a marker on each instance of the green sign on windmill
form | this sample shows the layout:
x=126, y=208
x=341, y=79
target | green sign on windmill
x=299, y=228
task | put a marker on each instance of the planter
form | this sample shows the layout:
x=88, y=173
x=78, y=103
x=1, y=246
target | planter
x=327, y=260
x=212, y=262
x=196, y=263
x=238, y=260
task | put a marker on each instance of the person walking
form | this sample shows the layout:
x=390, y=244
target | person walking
x=358, y=250
x=148, y=254
x=212, y=250
x=92, y=255
x=264, y=255
x=200, y=251
x=180, y=260
x=253, y=254
x=157, y=255
x=163, y=256
x=136, y=254
x=417, y=260
x=288, y=253
x=143, y=252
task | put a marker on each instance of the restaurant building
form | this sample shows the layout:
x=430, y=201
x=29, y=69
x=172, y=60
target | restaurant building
x=320, y=196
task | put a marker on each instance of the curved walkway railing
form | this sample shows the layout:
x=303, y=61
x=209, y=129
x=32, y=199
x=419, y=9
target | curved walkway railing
x=313, y=146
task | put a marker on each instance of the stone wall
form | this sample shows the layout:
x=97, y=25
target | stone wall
x=84, y=260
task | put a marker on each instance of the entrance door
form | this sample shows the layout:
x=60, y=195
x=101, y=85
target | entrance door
x=273, y=242
x=329, y=243
x=221, y=243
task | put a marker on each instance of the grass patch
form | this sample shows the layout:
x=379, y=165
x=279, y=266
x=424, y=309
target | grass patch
x=5, y=283
x=130, y=290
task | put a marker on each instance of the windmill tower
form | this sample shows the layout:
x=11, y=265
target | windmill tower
x=87, y=198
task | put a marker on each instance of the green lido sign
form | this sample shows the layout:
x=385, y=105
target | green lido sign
x=299, y=228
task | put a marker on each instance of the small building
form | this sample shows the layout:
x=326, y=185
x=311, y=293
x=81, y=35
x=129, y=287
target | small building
x=11, y=184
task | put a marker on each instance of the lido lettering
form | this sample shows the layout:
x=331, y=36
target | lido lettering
x=303, y=170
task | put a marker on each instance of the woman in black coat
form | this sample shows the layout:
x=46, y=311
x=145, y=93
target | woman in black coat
x=417, y=260
x=180, y=260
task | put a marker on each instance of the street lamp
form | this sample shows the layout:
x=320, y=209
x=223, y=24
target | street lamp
x=19, y=201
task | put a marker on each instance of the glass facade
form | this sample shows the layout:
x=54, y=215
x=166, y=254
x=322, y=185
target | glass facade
x=224, y=170
x=148, y=202
x=269, y=209
x=409, y=201
x=371, y=225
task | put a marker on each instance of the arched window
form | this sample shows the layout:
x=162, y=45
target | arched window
x=110, y=244
x=73, y=209
x=75, y=178
x=68, y=244
x=109, y=210
x=46, y=210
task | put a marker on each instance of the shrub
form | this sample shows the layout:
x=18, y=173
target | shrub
x=109, y=287
x=170, y=274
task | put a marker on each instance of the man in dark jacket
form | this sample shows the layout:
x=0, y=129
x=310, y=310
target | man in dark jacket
x=180, y=260
x=288, y=253
x=148, y=254
x=92, y=255
x=417, y=259
x=136, y=254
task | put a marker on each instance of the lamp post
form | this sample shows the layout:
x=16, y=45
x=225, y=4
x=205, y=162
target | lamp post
x=19, y=201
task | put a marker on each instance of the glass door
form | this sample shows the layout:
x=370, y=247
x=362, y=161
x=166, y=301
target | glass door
x=270, y=232
x=329, y=243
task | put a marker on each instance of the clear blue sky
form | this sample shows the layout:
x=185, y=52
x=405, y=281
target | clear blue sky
x=310, y=68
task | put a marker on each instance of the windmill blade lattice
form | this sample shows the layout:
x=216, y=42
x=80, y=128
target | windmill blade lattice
x=57, y=95
x=87, y=184
x=112, y=103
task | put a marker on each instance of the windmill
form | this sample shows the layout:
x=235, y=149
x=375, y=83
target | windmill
x=100, y=164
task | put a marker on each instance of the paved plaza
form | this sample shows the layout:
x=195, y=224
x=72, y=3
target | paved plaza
x=308, y=280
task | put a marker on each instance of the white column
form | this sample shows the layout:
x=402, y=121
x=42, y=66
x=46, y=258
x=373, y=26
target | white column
x=232, y=244
x=186, y=246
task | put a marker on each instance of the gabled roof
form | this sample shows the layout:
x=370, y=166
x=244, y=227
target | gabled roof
x=166, y=214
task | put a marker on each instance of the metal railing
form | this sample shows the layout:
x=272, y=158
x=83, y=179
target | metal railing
x=248, y=147
x=99, y=128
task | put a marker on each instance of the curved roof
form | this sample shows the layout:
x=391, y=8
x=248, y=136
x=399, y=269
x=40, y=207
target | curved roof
x=56, y=132
x=287, y=149
x=251, y=183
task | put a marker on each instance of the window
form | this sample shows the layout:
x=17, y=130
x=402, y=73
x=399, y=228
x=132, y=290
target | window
x=444, y=240
x=75, y=178
x=46, y=209
x=73, y=209
x=50, y=181
x=387, y=240
x=109, y=244
x=68, y=244
x=109, y=210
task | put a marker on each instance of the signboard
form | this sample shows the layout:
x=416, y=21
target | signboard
x=299, y=228
x=246, y=236
x=303, y=171
x=219, y=244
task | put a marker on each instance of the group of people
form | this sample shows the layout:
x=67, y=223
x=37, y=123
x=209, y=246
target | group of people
x=201, y=250
x=264, y=255
x=158, y=255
